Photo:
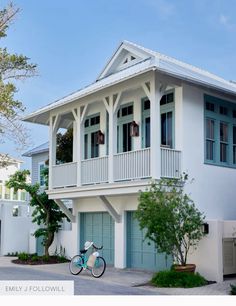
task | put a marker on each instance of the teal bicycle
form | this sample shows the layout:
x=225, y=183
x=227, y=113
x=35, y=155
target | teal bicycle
x=94, y=263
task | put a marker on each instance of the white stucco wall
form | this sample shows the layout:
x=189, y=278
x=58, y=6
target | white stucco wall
x=213, y=189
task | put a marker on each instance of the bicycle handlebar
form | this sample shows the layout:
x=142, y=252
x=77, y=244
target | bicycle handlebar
x=97, y=248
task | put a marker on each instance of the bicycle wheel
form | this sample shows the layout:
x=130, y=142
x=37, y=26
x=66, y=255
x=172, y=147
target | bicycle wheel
x=76, y=264
x=99, y=267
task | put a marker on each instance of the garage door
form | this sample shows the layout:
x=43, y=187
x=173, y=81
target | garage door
x=99, y=228
x=140, y=254
x=229, y=255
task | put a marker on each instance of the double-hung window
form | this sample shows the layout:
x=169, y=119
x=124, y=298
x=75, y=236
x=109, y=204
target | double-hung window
x=210, y=139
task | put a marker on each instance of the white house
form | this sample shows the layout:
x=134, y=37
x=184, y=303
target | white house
x=62, y=241
x=146, y=116
x=15, y=221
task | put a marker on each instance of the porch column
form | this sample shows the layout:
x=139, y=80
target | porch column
x=77, y=143
x=156, y=91
x=52, y=148
x=112, y=103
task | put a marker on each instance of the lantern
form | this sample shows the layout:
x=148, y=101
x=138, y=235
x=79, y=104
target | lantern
x=100, y=137
x=134, y=129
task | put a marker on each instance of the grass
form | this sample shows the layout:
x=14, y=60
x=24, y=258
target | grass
x=173, y=279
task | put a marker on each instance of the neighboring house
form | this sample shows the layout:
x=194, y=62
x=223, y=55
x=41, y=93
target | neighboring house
x=39, y=159
x=15, y=221
x=146, y=116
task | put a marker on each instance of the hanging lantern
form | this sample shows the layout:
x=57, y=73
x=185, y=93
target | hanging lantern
x=134, y=129
x=100, y=137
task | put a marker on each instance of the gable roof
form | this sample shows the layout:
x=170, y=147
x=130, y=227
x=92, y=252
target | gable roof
x=39, y=149
x=148, y=60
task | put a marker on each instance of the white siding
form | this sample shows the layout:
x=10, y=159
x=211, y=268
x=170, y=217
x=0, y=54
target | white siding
x=36, y=159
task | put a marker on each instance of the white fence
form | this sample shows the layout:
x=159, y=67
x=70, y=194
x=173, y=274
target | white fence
x=94, y=170
x=132, y=165
x=64, y=175
x=170, y=163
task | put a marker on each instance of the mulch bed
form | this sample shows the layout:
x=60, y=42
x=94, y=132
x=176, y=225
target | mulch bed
x=40, y=261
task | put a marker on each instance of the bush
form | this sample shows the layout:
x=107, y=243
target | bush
x=233, y=289
x=34, y=258
x=23, y=256
x=178, y=279
x=45, y=258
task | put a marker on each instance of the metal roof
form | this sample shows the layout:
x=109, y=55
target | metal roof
x=154, y=60
x=39, y=149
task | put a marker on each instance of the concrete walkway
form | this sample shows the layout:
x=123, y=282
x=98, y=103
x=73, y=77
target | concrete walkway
x=129, y=278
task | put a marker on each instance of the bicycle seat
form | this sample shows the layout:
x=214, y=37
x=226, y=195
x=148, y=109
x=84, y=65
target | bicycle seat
x=83, y=251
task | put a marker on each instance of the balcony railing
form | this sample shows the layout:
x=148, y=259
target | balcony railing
x=94, y=170
x=127, y=166
x=170, y=163
x=64, y=175
x=132, y=165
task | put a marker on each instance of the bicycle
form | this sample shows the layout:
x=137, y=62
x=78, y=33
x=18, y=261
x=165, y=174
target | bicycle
x=97, y=264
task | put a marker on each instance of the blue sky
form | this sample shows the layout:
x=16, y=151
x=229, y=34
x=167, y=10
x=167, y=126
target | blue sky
x=72, y=40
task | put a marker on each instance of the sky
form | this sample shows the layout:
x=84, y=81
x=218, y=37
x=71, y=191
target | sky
x=71, y=41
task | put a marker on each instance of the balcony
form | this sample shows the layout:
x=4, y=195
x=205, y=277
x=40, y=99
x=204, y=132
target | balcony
x=133, y=165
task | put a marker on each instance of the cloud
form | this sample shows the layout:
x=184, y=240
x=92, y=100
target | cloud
x=164, y=8
x=226, y=22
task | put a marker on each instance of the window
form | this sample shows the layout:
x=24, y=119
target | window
x=223, y=142
x=223, y=110
x=210, y=106
x=166, y=129
x=210, y=139
x=124, y=120
x=41, y=167
x=91, y=146
x=220, y=132
x=167, y=98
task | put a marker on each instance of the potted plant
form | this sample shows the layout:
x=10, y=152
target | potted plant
x=171, y=220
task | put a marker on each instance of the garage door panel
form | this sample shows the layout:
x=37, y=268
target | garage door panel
x=141, y=254
x=99, y=228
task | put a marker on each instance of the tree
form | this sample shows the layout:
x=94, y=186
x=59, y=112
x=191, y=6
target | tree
x=65, y=147
x=170, y=218
x=46, y=212
x=13, y=67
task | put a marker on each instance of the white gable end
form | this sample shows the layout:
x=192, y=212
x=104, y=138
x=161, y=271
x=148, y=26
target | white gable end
x=125, y=56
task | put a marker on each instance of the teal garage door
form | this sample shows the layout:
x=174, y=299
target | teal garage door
x=140, y=254
x=99, y=228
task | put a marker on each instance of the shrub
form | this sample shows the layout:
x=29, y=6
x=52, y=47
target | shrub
x=62, y=259
x=34, y=258
x=233, y=289
x=178, y=279
x=23, y=256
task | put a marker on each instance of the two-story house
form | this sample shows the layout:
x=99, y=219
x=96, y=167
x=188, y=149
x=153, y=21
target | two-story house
x=146, y=116
x=14, y=211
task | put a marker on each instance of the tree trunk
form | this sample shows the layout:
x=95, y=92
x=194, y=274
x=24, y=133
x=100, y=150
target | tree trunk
x=49, y=241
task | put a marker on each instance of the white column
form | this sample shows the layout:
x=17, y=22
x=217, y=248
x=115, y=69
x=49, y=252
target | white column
x=120, y=243
x=112, y=142
x=78, y=146
x=52, y=151
x=155, y=153
x=75, y=143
